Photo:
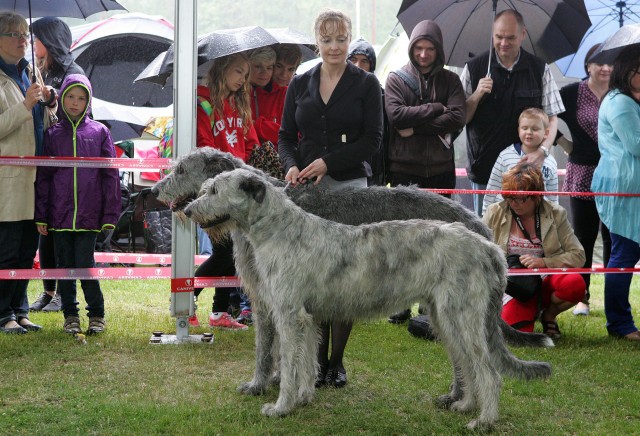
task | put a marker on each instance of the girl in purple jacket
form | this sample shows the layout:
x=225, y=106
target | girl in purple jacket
x=76, y=203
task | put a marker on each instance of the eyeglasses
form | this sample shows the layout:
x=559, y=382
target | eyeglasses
x=517, y=200
x=16, y=35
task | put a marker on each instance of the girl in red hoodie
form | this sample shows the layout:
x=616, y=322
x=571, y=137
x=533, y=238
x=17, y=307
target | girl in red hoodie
x=224, y=122
x=224, y=112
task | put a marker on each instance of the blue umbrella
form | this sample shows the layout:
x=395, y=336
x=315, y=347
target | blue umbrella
x=607, y=16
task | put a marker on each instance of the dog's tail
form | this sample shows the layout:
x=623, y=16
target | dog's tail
x=498, y=331
x=517, y=338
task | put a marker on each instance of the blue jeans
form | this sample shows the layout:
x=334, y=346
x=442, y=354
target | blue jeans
x=478, y=199
x=204, y=243
x=625, y=253
x=18, y=245
x=75, y=250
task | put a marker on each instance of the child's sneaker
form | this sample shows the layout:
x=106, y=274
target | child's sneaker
x=41, y=302
x=224, y=321
x=245, y=317
x=96, y=325
x=72, y=324
x=193, y=321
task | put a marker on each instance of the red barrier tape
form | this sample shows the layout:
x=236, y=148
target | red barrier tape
x=87, y=162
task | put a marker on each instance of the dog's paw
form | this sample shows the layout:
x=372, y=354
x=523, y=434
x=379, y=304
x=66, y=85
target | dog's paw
x=305, y=397
x=462, y=406
x=445, y=401
x=477, y=426
x=252, y=388
x=272, y=409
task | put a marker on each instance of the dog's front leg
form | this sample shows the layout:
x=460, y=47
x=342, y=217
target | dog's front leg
x=291, y=331
x=265, y=332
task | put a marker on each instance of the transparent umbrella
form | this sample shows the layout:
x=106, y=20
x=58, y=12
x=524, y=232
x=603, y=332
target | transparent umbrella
x=626, y=36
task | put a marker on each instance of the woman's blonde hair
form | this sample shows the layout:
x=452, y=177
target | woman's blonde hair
x=238, y=100
x=10, y=21
x=327, y=19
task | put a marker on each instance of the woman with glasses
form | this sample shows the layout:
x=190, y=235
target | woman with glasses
x=22, y=126
x=619, y=172
x=539, y=232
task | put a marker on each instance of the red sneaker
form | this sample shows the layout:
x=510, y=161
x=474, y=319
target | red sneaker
x=226, y=322
x=193, y=321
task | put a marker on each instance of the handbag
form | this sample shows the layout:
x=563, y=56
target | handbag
x=522, y=288
x=265, y=158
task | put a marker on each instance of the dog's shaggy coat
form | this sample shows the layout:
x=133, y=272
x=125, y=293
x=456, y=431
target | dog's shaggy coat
x=370, y=269
x=355, y=206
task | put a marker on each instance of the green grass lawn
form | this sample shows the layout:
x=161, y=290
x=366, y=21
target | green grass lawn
x=120, y=384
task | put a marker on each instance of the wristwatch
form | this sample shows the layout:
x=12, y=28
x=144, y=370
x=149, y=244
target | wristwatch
x=545, y=150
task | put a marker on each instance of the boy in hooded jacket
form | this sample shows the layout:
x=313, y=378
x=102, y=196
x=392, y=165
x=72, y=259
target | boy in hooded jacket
x=76, y=203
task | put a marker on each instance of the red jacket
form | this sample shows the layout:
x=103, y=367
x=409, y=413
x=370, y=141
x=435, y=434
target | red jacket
x=227, y=133
x=268, y=114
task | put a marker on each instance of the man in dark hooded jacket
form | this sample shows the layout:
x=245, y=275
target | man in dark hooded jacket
x=425, y=105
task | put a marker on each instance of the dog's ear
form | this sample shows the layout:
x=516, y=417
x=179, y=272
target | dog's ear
x=255, y=188
x=216, y=166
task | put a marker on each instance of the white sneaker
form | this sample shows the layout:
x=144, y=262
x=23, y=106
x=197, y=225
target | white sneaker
x=581, y=309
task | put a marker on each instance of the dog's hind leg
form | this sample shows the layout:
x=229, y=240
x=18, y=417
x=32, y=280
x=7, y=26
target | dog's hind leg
x=265, y=333
x=307, y=361
x=466, y=332
x=455, y=389
x=292, y=329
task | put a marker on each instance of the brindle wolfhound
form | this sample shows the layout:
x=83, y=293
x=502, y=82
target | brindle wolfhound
x=308, y=264
x=351, y=206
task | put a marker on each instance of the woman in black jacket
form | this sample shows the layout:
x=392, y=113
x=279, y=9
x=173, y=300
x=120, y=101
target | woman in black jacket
x=331, y=126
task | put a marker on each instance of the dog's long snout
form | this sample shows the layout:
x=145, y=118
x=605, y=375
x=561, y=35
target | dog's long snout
x=187, y=212
x=155, y=190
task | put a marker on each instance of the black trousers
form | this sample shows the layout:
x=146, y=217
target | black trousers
x=443, y=181
x=220, y=263
x=586, y=223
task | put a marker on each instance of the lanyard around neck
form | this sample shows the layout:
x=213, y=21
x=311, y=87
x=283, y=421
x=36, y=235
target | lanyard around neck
x=523, y=230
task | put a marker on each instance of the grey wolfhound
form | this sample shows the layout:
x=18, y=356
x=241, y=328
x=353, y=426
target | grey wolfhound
x=350, y=206
x=371, y=269
x=357, y=206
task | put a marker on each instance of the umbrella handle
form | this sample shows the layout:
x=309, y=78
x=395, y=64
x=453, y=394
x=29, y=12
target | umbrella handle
x=495, y=6
x=33, y=56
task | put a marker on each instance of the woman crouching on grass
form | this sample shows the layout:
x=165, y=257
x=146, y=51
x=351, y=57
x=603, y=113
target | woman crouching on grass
x=539, y=232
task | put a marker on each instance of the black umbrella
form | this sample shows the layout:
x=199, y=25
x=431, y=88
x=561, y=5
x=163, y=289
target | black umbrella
x=59, y=8
x=614, y=45
x=554, y=27
x=116, y=50
x=221, y=43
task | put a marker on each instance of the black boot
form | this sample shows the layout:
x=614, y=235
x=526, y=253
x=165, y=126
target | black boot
x=400, y=317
